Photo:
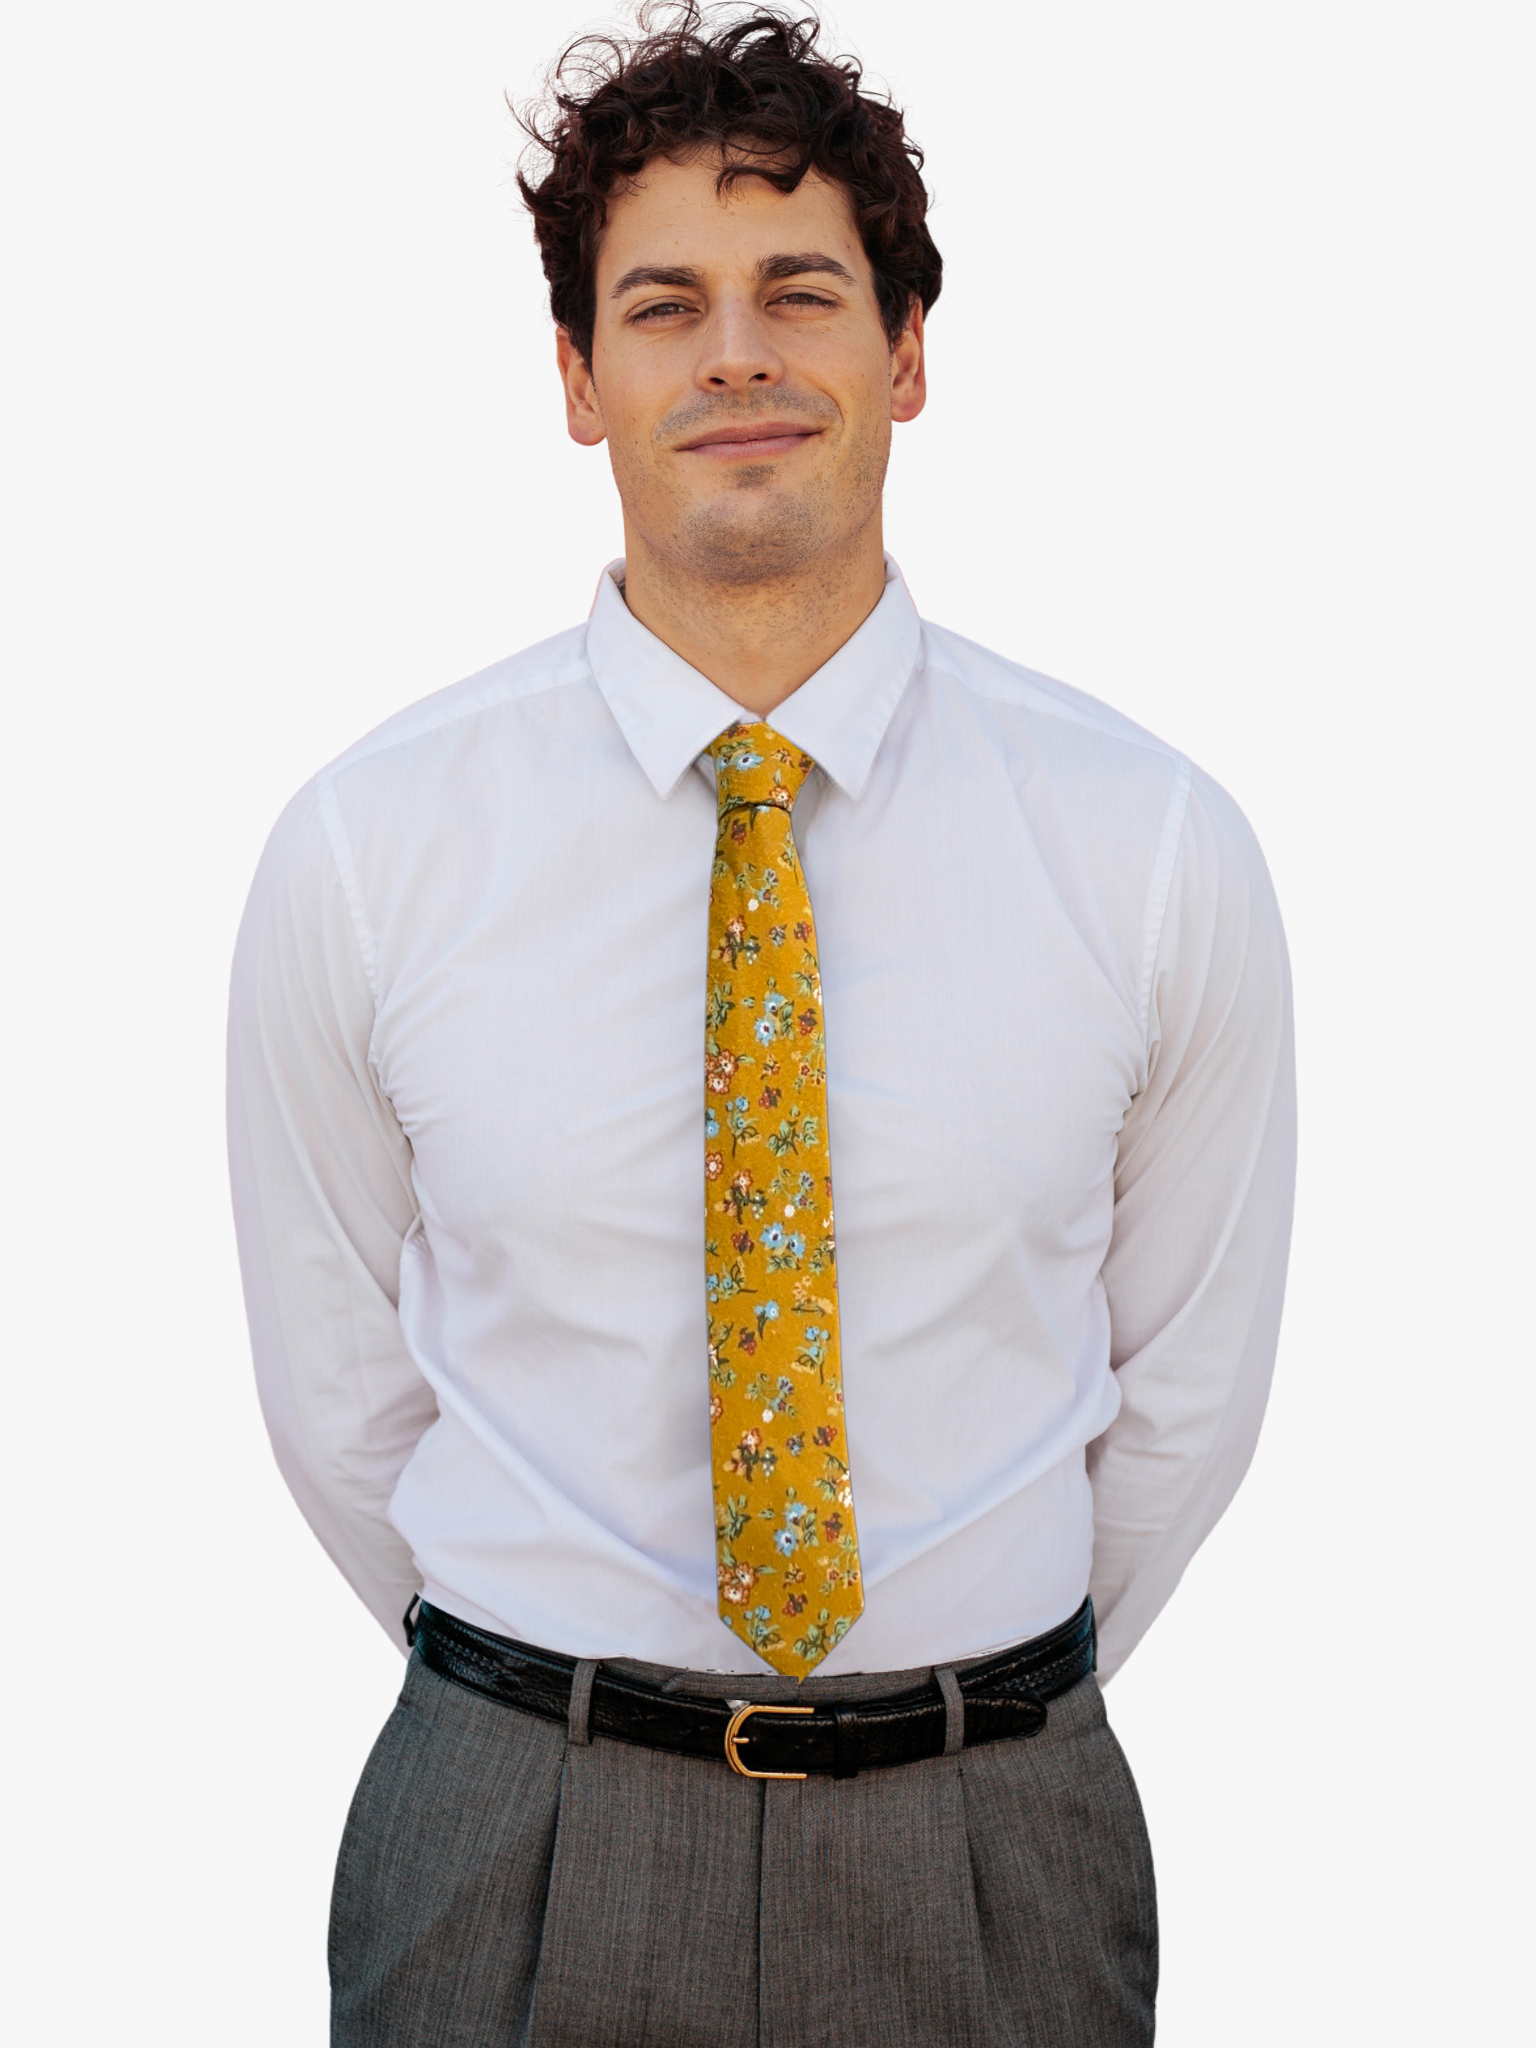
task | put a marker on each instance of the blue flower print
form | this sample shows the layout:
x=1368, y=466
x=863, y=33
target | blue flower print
x=763, y=1031
x=769, y=1311
x=786, y=1542
x=711, y=1122
x=797, y=1244
x=740, y=1102
x=746, y=759
x=773, y=1236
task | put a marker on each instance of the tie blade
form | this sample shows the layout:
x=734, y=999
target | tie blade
x=797, y=1653
x=789, y=1580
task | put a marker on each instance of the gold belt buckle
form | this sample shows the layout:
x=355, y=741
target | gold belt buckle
x=734, y=1736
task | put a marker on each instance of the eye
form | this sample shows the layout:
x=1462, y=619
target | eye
x=804, y=298
x=661, y=311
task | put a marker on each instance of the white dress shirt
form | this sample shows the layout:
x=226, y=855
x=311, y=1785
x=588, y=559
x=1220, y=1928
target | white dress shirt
x=467, y=1130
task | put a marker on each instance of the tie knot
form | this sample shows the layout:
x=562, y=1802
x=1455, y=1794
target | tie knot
x=754, y=766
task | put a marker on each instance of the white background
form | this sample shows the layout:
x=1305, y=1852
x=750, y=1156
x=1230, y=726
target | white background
x=1232, y=425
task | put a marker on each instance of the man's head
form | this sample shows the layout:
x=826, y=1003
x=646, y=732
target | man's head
x=739, y=265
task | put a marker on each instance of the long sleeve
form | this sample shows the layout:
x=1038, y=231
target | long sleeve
x=321, y=1175
x=1203, y=1193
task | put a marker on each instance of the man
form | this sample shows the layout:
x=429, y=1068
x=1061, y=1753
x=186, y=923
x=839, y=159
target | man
x=751, y=1698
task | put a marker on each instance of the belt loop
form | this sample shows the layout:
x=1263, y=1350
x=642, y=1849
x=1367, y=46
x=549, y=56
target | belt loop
x=847, y=1748
x=581, y=1701
x=954, y=1709
x=410, y=1620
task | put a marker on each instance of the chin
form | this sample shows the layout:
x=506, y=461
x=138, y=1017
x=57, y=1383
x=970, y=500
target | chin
x=737, y=540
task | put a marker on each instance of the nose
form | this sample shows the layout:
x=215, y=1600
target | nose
x=738, y=352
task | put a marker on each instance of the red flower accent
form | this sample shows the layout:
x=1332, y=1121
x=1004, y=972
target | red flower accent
x=736, y=1582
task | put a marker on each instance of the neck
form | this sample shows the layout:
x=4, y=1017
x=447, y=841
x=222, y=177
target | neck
x=756, y=641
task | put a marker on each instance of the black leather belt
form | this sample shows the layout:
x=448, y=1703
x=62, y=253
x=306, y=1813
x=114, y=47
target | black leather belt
x=1001, y=1697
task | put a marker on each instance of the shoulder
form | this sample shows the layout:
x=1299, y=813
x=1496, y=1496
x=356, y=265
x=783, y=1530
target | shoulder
x=1108, y=786
x=1102, y=780
x=434, y=766
x=1053, y=708
x=446, y=764
x=516, y=683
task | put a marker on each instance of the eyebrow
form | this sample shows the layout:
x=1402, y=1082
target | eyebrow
x=770, y=270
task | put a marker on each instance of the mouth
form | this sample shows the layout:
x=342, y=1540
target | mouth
x=751, y=444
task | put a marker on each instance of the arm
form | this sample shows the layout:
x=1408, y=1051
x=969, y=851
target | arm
x=321, y=1175
x=1203, y=1190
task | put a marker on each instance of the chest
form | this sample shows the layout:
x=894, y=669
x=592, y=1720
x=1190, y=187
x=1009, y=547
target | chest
x=541, y=1029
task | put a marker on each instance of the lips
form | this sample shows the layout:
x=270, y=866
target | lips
x=763, y=438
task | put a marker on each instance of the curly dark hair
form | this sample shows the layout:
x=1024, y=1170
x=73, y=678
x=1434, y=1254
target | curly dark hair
x=757, y=88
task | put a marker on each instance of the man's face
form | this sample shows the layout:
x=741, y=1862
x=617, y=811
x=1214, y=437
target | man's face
x=740, y=371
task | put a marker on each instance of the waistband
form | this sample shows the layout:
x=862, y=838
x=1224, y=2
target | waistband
x=995, y=1699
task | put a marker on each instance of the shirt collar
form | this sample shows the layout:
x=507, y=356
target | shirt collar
x=668, y=712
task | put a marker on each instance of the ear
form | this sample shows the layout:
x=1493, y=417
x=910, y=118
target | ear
x=909, y=379
x=583, y=415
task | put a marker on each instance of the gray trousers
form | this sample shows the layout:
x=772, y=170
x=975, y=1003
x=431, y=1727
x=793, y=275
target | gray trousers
x=503, y=1883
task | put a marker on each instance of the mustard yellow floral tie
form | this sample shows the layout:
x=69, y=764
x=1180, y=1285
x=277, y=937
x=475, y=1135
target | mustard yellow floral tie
x=787, y=1550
